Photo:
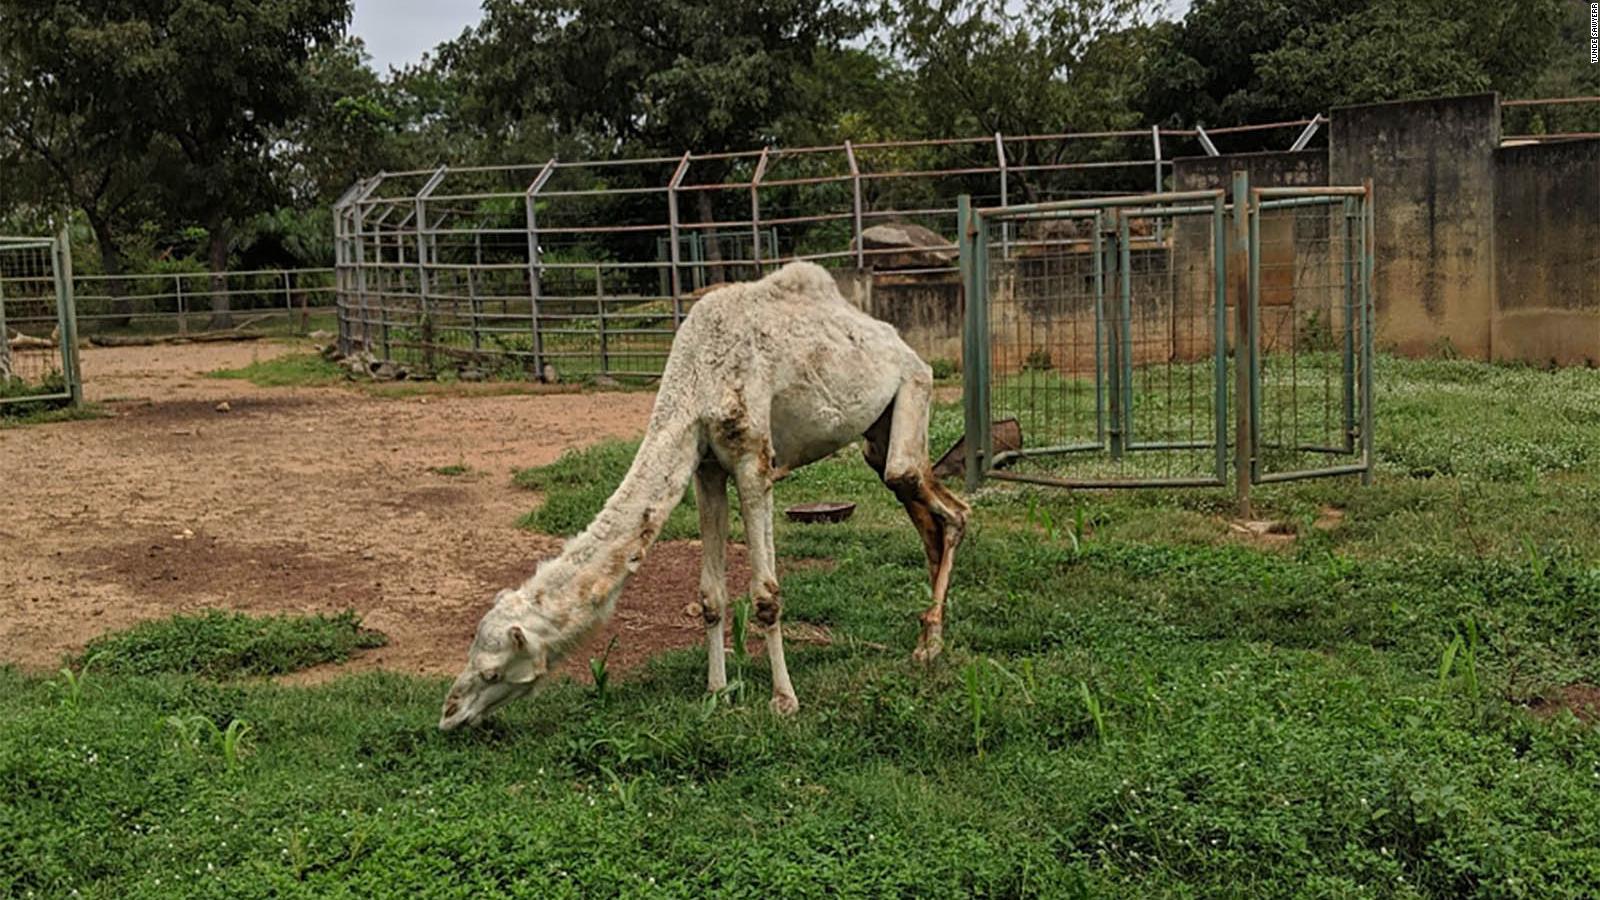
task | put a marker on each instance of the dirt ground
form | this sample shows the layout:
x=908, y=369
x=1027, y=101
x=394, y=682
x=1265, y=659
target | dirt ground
x=299, y=500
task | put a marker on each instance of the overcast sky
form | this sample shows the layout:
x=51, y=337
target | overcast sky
x=400, y=31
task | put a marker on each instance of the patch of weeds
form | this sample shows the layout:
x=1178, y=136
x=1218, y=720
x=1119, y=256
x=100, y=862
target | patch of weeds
x=198, y=735
x=289, y=370
x=218, y=644
x=18, y=417
x=452, y=471
x=599, y=672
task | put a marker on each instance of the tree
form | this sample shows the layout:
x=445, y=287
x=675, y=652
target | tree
x=230, y=73
x=1043, y=66
x=119, y=99
x=1265, y=60
x=346, y=128
x=68, y=112
x=649, y=76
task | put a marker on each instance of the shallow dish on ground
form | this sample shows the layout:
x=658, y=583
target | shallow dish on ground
x=825, y=511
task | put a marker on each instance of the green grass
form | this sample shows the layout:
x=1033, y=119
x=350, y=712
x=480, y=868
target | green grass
x=289, y=370
x=218, y=644
x=1134, y=702
x=455, y=470
x=16, y=417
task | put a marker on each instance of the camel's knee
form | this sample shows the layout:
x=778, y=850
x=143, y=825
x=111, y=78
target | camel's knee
x=711, y=607
x=768, y=603
x=907, y=482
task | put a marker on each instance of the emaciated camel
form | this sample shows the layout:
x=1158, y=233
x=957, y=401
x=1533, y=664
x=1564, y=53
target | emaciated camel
x=763, y=378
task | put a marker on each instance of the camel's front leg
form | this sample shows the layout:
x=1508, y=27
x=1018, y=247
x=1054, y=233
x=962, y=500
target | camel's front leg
x=711, y=498
x=755, y=503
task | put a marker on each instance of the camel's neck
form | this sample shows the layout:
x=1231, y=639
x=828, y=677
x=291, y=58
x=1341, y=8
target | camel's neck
x=577, y=589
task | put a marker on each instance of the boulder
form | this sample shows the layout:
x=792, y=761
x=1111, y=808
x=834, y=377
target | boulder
x=903, y=245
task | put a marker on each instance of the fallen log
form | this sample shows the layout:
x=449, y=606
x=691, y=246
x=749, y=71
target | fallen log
x=20, y=341
x=142, y=340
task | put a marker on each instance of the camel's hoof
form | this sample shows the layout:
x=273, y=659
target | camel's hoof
x=714, y=688
x=785, y=704
x=928, y=651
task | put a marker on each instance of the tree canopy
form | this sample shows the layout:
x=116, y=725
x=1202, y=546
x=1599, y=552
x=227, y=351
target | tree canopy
x=220, y=130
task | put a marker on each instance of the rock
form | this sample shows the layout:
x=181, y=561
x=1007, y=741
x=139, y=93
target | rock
x=224, y=407
x=551, y=376
x=386, y=371
x=472, y=375
x=694, y=610
x=320, y=335
x=902, y=245
x=606, y=381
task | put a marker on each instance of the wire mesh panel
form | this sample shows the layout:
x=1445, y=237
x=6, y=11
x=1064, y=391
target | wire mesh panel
x=1102, y=329
x=38, y=352
x=1102, y=333
x=1312, y=337
x=181, y=303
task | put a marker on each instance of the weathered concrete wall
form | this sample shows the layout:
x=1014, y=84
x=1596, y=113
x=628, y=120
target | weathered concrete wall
x=1547, y=253
x=1432, y=166
x=1302, y=168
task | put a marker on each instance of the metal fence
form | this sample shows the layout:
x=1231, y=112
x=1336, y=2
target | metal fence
x=180, y=303
x=38, y=336
x=587, y=267
x=1102, y=328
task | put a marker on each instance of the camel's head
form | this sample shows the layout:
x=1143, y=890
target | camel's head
x=506, y=660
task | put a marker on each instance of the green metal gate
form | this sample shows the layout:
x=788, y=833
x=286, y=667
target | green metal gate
x=38, y=326
x=1104, y=328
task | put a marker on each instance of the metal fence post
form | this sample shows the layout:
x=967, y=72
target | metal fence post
x=855, y=193
x=1219, y=349
x=475, y=305
x=1110, y=224
x=1005, y=193
x=755, y=209
x=1349, y=267
x=68, y=315
x=183, y=313
x=973, y=378
x=1368, y=302
x=672, y=231
x=600, y=316
x=419, y=230
x=536, y=262
x=1243, y=358
x=288, y=299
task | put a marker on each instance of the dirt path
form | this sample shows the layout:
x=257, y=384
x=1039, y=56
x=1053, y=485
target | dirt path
x=296, y=500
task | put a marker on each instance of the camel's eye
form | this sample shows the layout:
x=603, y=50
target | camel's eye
x=489, y=676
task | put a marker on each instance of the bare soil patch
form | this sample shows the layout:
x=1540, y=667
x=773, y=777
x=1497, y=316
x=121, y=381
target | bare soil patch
x=299, y=500
x=1582, y=700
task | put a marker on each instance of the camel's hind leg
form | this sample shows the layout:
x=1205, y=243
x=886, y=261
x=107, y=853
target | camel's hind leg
x=897, y=449
x=711, y=499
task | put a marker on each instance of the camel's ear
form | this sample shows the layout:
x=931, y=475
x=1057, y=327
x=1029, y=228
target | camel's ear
x=526, y=663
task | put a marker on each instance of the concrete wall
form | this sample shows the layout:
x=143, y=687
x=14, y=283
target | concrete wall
x=1547, y=253
x=1432, y=166
x=1302, y=168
